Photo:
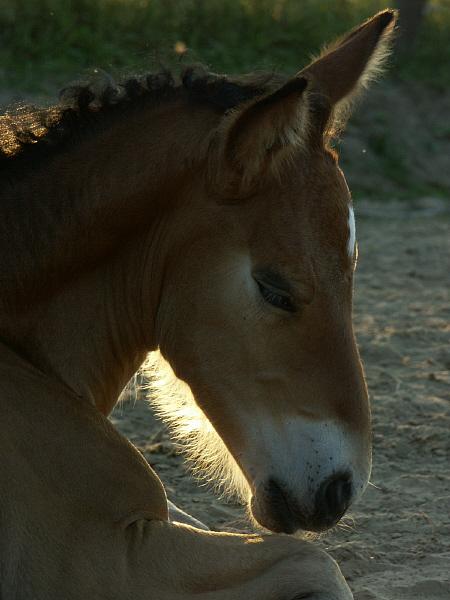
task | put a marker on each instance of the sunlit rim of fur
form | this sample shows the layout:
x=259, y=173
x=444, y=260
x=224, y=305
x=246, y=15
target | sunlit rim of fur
x=206, y=453
x=374, y=69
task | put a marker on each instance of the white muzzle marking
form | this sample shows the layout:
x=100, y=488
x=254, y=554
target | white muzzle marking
x=306, y=453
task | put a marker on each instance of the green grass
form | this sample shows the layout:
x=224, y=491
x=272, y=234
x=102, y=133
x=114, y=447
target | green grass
x=46, y=43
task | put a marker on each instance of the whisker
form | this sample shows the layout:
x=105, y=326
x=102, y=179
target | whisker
x=375, y=486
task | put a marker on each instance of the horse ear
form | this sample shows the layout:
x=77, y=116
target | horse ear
x=263, y=133
x=350, y=64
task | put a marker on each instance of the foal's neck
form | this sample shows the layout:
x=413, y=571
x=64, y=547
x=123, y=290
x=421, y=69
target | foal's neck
x=81, y=205
x=83, y=229
x=93, y=334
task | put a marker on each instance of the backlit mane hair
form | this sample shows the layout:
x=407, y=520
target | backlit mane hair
x=30, y=134
x=207, y=456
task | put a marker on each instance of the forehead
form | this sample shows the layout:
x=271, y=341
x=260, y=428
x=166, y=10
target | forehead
x=306, y=215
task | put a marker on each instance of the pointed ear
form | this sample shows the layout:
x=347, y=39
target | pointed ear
x=263, y=133
x=350, y=64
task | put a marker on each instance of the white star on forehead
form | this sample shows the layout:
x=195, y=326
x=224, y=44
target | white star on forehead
x=352, y=232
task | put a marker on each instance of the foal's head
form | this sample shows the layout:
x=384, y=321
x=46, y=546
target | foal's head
x=256, y=311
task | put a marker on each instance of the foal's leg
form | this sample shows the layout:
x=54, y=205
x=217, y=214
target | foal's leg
x=186, y=564
x=176, y=515
x=90, y=523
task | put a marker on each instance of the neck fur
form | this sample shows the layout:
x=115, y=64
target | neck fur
x=94, y=334
x=72, y=212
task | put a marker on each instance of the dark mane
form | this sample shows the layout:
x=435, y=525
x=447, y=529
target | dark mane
x=30, y=134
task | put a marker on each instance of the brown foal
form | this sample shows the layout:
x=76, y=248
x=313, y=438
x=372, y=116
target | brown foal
x=206, y=221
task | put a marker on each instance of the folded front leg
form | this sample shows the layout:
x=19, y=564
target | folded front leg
x=177, y=562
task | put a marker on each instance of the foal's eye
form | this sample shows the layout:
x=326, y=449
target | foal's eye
x=276, y=297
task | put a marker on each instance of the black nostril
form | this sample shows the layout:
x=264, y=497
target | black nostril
x=277, y=497
x=281, y=507
x=337, y=494
x=333, y=497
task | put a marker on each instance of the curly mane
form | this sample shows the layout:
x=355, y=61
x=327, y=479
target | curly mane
x=30, y=134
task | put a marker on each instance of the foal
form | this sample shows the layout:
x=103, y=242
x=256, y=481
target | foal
x=206, y=220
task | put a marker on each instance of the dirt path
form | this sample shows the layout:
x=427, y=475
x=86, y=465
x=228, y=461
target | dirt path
x=398, y=545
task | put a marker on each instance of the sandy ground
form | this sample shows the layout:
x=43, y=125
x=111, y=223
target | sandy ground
x=396, y=543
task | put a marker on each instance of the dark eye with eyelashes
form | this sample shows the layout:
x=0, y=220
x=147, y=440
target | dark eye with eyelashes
x=276, y=297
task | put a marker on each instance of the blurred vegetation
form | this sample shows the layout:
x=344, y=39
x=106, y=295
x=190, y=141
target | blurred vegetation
x=46, y=43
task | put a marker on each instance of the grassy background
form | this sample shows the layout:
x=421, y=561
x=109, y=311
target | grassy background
x=47, y=42
x=399, y=139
